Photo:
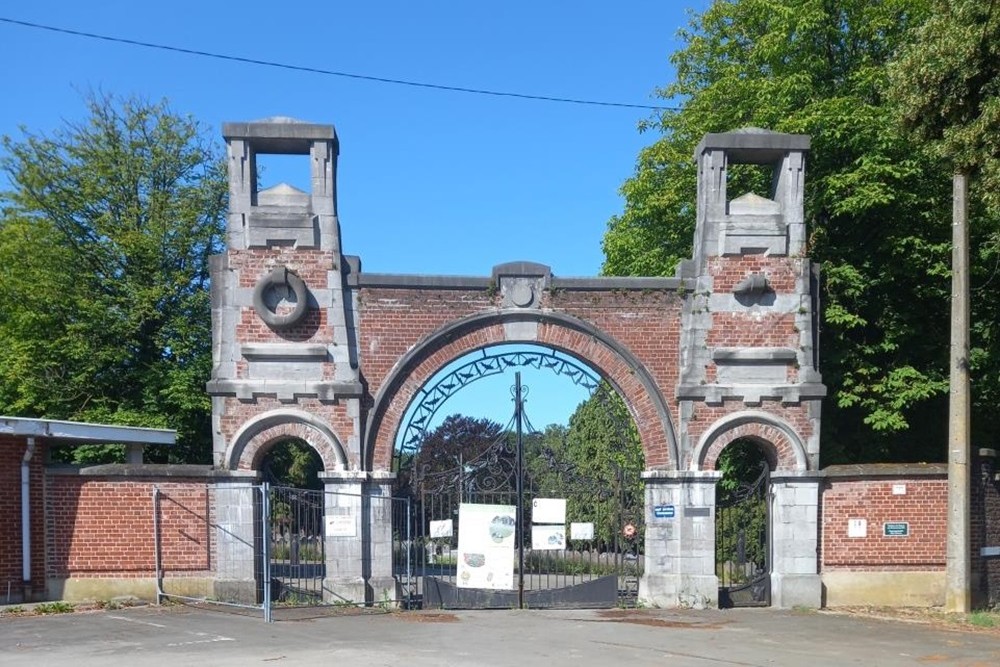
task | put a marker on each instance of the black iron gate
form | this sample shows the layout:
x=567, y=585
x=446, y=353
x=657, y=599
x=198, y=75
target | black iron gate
x=296, y=546
x=742, y=544
x=573, y=539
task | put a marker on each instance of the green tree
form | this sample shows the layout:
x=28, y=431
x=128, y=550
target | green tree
x=293, y=463
x=457, y=453
x=946, y=87
x=105, y=236
x=877, y=204
x=599, y=464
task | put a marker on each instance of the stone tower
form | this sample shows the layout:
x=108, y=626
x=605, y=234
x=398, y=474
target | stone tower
x=748, y=370
x=283, y=325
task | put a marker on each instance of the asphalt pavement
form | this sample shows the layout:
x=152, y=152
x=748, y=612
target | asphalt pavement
x=183, y=635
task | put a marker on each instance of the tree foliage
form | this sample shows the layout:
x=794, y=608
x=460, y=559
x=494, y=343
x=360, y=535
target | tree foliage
x=946, y=87
x=105, y=237
x=293, y=463
x=877, y=203
x=451, y=454
x=596, y=464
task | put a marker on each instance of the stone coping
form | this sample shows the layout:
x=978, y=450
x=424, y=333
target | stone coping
x=408, y=281
x=869, y=470
x=148, y=470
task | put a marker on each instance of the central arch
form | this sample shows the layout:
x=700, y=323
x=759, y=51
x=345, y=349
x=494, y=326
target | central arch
x=562, y=332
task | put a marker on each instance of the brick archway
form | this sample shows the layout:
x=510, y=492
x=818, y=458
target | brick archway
x=256, y=436
x=558, y=331
x=782, y=445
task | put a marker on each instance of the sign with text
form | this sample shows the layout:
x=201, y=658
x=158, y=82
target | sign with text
x=341, y=524
x=548, y=510
x=548, y=538
x=896, y=529
x=486, y=546
x=664, y=511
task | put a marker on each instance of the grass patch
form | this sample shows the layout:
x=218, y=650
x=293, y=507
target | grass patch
x=53, y=608
x=984, y=619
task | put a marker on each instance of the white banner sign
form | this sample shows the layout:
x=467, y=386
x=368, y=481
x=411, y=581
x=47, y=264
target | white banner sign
x=548, y=538
x=443, y=528
x=548, y=510
x=486, y=546
x=341, y=525
x=581, y=531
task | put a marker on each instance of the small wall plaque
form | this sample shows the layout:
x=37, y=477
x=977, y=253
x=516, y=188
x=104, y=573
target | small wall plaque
x=896, y=529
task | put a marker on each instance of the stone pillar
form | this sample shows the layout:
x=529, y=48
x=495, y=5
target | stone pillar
x=343, y=515
x=383, y=587
x=795, y=579
x=238, y=524
x=358, y=515
x=680, y=549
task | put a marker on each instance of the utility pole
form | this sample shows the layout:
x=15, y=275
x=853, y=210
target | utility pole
x=957, y=595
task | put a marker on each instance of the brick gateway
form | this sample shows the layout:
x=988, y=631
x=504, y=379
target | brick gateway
x=724, y=350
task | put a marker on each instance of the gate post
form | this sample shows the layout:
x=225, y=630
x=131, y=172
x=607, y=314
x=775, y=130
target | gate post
x=357, y=509
x=382, y=585
x=344, y=530
x=795, y=579
x=680, y=539
x=239, y=538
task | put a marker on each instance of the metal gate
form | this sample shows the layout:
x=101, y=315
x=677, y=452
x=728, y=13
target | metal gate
x=296, y=546
x=742, y=544
x=575, y=540
x=266, y=547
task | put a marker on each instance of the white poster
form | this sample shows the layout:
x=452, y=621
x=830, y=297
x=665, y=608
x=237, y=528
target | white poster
x=341, y=525
x=548, y=538
x=442, y=528
x=548, y=510
x=581, y=531
x=486, y=546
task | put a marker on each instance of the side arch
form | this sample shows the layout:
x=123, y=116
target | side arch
x=253, y=439
x=565, y=333
x=786, y=447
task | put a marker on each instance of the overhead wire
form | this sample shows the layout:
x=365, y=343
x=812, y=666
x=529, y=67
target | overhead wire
x=328, y=72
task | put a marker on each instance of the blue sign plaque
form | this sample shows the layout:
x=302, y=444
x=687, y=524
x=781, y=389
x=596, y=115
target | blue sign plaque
x=664, y=511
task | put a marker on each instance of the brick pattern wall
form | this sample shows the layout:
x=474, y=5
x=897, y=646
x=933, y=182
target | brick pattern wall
x=646, y=323
x=778, y=444
x=11, y=453
x=923, y=506
x=103, y=527
x=986, y=529
x=763, y=329
x=238, y=412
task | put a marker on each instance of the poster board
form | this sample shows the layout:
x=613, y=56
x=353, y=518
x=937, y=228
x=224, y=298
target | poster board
x=486, y=546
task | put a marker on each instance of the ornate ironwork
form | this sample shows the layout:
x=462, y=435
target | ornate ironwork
x=743, y=558
x=491, y=471
x=488, y=364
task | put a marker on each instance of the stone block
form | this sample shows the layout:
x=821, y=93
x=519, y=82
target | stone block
x=915, y=588
x=796, y=590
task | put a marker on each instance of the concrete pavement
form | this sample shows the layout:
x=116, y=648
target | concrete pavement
x=188, y=635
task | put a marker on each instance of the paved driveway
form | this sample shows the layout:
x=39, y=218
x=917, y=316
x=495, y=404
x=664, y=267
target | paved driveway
x=185, y=635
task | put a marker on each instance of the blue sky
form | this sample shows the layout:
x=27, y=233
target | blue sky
x=429, y=181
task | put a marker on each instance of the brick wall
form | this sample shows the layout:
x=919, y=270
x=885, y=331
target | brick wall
x=986, y=528
x=11, y=453
x=102, y=527
x=644, y=322
x=866, y=492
